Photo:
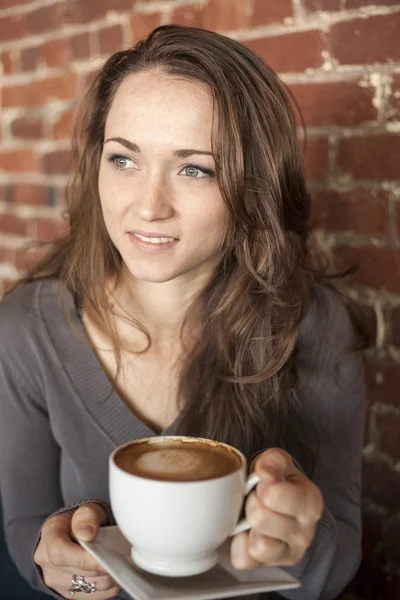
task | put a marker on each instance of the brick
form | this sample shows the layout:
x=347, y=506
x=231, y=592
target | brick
x=7, y=63
x=361, y=41
x=28, y=193
x=369, y=322
x=187, y=15
x=361, y=211
x=7, y=255
x=381, y=484
x=57, y=162
x=62, y=127
x=398, y=218
x=389, y=438
x=12, y=3
x=74, y=11
x=271, y=12
x=329, y=5
x=392, y=537
x=224, y=16
x=395, y=330
x=392, y=109
x=370, y=156
x=45, y=18
x=60, y=88
x=383, y=382
x=6, y=194
x=372, y=584
x=55, y=53
x=376, y=267
x=49, y=229
x=10, y=223
x=41, y=91
x=373, y=525
x=79, y=46
x=316, y=158
x=336, y=103
x=110, y=39
x=28, y=128
x=142, y=25
x=29, y=58
x=305, y=51
x=12, y=28
x=19, y=160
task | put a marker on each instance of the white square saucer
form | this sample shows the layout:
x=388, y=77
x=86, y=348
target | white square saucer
x=112, y=551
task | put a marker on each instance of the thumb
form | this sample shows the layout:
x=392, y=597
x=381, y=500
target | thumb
x=86, y=521
x=274, y=465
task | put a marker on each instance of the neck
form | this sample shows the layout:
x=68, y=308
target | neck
x=160, y=307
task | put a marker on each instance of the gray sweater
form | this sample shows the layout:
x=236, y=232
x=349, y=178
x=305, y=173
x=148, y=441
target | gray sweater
x=60, y=420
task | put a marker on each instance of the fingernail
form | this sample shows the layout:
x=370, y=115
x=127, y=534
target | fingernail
x=85, y=533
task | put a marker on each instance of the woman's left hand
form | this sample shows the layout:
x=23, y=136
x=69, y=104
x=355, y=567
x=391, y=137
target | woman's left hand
x=283, y=514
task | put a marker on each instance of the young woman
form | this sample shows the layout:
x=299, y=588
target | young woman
x=182, y=301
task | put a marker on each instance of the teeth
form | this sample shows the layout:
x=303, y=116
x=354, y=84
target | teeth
x=157, y=240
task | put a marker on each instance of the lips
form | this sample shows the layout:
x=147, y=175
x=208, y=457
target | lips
x=151, y=242
x=154, y=239
x=152, y=236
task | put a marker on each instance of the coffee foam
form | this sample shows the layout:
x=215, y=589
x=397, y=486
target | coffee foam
x=170, y=461
x=178, y=461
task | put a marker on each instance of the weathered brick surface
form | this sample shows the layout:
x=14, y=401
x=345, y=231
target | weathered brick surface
x=360, y=41
x=361, y=211
x=306, y=49
x=341, y=59
x=315, y=157
x=377, y=267
x=370, y=156
x=337, y=103
x=328, y=5
x=383, y=380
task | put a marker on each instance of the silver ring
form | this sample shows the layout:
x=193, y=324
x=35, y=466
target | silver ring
x=79, y=585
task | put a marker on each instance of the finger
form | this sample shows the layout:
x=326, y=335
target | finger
x=64, y=553
x=240, y=557
x=278, y=526
x=303, y=502
x=275, y=465
x=268, y=551
x=86, y=521
x=55, y=579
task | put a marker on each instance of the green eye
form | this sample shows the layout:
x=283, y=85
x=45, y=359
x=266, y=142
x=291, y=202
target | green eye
x=196, y=172
x=120, y=162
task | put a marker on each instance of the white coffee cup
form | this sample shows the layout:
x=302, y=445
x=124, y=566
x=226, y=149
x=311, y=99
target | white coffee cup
x=176, y=527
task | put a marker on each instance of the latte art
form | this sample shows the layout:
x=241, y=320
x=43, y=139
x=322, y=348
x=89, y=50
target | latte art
x=178, y=461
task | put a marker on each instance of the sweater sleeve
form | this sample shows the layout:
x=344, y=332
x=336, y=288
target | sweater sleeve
x=29, y=454
x=331, y=392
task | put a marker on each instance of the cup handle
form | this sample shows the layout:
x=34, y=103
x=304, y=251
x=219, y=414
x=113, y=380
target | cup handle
x=251, y=482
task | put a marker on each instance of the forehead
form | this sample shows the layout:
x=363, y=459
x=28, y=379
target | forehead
x=153, y=100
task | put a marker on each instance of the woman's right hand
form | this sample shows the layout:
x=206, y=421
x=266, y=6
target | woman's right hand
x=61, y=559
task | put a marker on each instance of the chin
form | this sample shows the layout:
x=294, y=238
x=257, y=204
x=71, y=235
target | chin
x=149, y=276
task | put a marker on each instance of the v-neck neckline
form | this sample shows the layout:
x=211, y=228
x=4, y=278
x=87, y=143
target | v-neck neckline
x=85, y=372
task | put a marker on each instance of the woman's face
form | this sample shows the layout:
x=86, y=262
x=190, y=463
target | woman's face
x=159, y=196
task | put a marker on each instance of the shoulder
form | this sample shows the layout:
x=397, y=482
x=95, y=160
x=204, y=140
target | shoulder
x=22, y=313
x=327, y=327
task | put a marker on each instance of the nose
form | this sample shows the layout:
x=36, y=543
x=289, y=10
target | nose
x=155, y=200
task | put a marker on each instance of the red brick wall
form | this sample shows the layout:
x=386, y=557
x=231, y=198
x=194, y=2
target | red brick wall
x=341, y=59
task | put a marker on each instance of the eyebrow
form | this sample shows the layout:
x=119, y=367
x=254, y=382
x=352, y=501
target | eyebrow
x=183, y=153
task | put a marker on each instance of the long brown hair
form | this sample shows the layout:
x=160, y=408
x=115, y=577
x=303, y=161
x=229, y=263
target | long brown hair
x=236, y=385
